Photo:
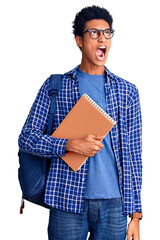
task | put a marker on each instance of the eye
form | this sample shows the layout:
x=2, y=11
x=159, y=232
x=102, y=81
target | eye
x=107, y=32
x=94, y=33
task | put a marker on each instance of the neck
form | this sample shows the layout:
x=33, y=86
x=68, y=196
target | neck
x=93, y=70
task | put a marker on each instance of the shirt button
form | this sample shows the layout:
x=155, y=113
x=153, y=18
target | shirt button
x=83, y=179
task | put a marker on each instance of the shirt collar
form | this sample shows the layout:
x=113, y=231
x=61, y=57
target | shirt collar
x=74, y=71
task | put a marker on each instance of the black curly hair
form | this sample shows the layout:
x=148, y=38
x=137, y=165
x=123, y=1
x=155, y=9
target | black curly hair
x=87, y=14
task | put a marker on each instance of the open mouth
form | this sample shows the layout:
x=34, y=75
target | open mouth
x=100, y=52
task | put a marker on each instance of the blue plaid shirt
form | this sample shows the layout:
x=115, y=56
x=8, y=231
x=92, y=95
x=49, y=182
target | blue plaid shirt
x=65, y=189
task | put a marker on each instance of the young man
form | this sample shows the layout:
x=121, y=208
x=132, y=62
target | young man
x=98, y=197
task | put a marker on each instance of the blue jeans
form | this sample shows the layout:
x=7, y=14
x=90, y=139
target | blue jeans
x=103, y=218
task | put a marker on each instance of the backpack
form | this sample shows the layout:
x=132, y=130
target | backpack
x=33, y=169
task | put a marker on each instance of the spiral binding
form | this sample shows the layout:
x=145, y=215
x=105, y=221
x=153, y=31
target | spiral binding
x=98, y=107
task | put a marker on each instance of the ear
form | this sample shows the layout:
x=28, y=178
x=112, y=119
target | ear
x=79, y=41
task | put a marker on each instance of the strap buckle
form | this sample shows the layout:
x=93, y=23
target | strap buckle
x=53, y=92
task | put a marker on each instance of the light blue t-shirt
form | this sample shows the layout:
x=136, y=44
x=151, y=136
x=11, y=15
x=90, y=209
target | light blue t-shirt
x=102, y=178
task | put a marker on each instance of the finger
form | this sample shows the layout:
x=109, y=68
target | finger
x=98, y=137
x=97, y=148
x=101, y=145
x=101, y=137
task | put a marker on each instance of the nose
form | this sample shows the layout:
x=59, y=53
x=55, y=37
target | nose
x=101, y=37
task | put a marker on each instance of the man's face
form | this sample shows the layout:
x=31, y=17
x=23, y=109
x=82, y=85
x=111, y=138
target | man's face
x=91, y=54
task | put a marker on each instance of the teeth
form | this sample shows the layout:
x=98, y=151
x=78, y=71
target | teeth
x=102, y=47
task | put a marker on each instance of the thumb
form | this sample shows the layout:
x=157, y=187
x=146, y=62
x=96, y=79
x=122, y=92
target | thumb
x=98, y=137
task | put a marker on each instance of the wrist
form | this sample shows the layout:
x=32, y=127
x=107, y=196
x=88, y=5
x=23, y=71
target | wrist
x=136, y=220
x=70, y=146
x=136, y=215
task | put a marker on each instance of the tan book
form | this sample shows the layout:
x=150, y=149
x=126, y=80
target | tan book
x=86, y=117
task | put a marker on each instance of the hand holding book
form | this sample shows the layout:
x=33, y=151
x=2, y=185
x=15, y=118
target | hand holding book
x=88, y=146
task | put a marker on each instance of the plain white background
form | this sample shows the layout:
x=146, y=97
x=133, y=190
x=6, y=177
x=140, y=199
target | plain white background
x=36, y=41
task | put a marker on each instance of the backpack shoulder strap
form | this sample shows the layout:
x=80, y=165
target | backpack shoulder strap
x=55, y=82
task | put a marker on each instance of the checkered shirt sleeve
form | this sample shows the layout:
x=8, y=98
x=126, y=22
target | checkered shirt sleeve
x=32, y=138
x=134, y=122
